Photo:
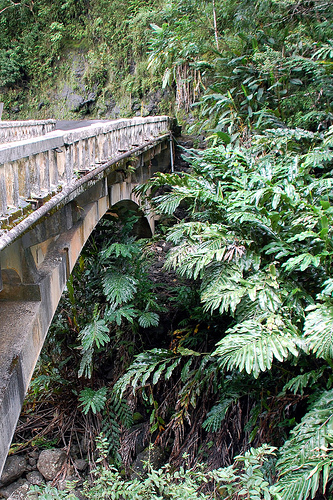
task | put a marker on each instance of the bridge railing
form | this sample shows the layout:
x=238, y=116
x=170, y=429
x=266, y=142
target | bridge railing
x=11, y=131
x=35, y=169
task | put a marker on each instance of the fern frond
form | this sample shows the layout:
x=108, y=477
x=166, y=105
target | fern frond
x=95, y=333
x=306, y=459
x=92, y=400
x=318, y=329
x=299, y=383
x=168, y=203
x=117, y=315
x=147, y=319
x=127, y=250
x=301, y=262
x=147, y=364
x=119, y=288
x=86, y=364
x=252, y=345
x=222, y=288
x=217, y=413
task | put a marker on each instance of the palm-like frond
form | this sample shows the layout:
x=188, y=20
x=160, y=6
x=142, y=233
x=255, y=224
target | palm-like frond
x=252, y=345
x=318, y=329
x=92, y=400
x=299, y=383
x=150, y=363
x=147, y=319
x=95, y=333
x=222, y=288
x=305, y=460
x=119, y=288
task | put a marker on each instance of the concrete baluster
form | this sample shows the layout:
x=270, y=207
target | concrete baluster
x=61, y=165
x=27, y=178
x=40, y=160
x=34, y=174
x=68, y=165
x=105, y=146
x=93, y=151
x=16, y=195
x=53, y=168
x=74, y=157
x=88, y=152
x=3, y=191
x=47, y=181
x=109, y=136
x=113, y=142
x=21, y=178
x=99, y=149
x=83, y=154
x=8, y=170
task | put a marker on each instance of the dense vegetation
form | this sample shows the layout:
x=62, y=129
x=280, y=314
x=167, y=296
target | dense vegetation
x=269, y=60
x=245, y=358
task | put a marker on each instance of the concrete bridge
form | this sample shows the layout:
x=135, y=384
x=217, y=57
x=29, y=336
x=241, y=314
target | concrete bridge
x=54, y=188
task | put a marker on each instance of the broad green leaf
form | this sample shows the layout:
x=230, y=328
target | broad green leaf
x=318, y=329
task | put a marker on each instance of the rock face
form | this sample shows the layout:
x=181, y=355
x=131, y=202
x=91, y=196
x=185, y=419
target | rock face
x=50, y=463
x=14, y=468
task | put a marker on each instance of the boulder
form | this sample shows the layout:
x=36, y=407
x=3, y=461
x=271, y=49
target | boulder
x=35, y=477
x=8, y=490
x=14, y=467
x=20, y=493
x=80, y=464
x=50, y=463
x=154, y=456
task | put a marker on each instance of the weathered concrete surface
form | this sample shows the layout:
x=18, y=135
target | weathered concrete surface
x=38, y=167
x=18, y=130
x=37, y=257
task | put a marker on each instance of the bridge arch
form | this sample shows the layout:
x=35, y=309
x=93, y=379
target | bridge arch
x=143, y=227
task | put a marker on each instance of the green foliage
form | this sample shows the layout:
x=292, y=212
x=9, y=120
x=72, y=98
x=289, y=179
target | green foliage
x=93, y=400
x=318, y=329
x=244, y=478
x=11, y=70
x=252, y=346
x=306, y=458
x=300, y=382
x=94, y=335
x=118, y=288
x=49, y=493
x=151, y=363
x=258, y=241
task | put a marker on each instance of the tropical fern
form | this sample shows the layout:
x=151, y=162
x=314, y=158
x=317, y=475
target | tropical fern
x=147, y=319
x=119, y=288
x=147, y=364
x=92, y=400
x=218, y=412
x=305, y=460
x=252, y=345
x=94, y=335
x=300, y=382
x=318, y=329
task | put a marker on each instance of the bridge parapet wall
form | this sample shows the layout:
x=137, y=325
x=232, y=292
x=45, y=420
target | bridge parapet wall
x=11, y=131
x=35, y=169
